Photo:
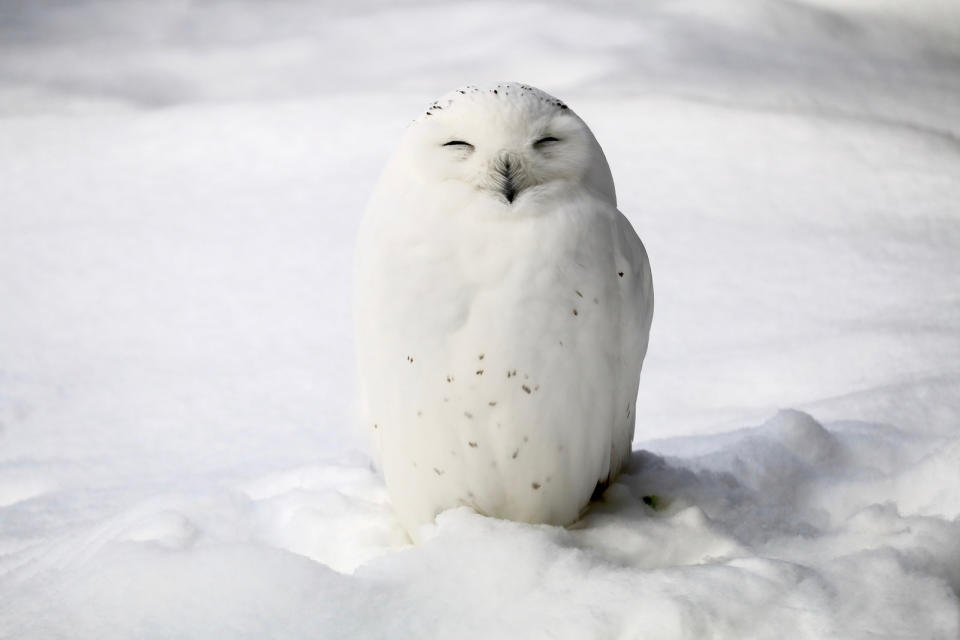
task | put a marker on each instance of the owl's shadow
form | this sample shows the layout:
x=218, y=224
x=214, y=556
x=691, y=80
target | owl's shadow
x=653, y=486
x=659, y=513
x=667, y=511
x=647, y=481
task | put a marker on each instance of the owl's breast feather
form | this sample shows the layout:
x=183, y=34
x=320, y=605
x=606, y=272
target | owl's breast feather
x=497, y=380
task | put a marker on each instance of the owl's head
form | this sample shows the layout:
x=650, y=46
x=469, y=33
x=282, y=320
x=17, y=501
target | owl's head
x=509, y=142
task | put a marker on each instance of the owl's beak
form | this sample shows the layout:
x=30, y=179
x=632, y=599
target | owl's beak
x=506, y=168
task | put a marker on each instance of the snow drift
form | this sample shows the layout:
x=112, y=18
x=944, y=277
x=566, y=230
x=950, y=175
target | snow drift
x=181, y=188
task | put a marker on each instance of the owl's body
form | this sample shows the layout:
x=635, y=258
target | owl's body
x=502, y=322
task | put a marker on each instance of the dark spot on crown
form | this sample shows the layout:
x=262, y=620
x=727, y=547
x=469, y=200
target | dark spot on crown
x=578, y=293
x=515, y=452
x=439, y=472
x=620, y=274
x=525, y=388
x=535, y=485
x=472, y=444
x=479, y=372
x=468, y=414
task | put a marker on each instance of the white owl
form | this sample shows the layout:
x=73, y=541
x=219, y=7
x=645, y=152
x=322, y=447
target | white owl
x=503, y=310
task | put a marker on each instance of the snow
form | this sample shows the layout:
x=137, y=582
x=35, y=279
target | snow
x=181, y=186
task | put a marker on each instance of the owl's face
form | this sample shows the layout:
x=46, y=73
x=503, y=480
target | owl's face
x=510, y=143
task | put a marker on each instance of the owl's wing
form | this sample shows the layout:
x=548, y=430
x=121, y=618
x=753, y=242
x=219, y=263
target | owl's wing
x=635, y=327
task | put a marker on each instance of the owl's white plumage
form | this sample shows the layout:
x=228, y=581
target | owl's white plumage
x=503, y=311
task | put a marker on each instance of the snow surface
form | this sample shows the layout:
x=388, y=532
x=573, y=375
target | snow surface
x=180, y=186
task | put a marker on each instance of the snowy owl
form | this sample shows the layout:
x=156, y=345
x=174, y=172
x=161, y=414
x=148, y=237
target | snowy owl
x=503, y=310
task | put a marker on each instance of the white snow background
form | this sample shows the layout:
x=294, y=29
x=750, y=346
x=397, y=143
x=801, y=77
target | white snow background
x=180, y=187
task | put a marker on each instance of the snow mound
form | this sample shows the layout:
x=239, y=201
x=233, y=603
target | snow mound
x=811, y=539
